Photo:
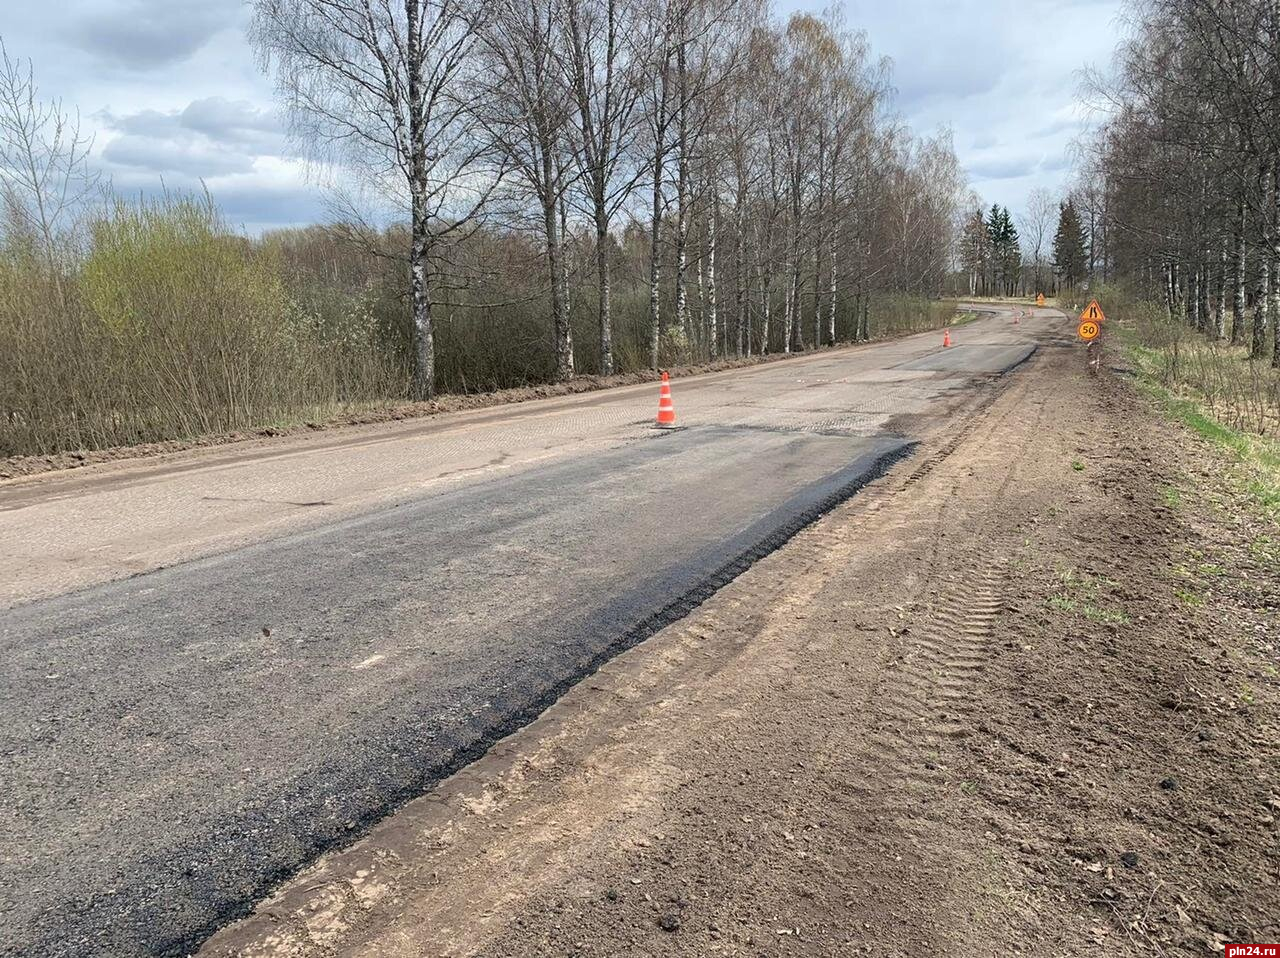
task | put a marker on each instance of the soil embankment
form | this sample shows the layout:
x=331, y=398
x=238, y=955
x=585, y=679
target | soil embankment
x=1018, y=697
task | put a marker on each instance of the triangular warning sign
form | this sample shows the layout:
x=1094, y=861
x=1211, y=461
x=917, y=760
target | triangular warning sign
x=1092, y=313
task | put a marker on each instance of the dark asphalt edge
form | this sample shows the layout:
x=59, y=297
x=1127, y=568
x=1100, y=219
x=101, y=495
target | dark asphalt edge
x=674, y=611
x=1035, y=348
x=909, y=366
x=1002, y=373
x=681, y=606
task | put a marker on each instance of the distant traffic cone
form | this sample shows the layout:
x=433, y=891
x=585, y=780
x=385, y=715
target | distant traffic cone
x=946, y=337
x=666, y=409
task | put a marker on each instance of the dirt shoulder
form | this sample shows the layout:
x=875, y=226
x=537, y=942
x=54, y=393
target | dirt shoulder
x=1019, y=696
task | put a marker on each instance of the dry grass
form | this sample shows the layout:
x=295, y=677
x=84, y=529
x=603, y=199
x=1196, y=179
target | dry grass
x=1214, y=389
x=166, y=325
x=1238, y=391
x=170, y=327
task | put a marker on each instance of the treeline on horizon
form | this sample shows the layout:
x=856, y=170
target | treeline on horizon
x=583, y=187
x=1184, y=176
x=997, y=260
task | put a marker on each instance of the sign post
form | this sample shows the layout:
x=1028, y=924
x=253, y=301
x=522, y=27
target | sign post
x=1090, y=330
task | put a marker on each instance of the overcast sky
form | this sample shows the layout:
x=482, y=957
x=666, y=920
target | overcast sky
x=174, y=96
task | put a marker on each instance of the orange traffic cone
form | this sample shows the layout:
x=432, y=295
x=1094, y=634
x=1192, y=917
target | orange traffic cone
x=666, y=410
x=946, y=337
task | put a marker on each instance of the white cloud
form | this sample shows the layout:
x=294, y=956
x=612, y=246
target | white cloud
x=172, y=89
x=195, y=159
x=1002, y=73
x=1002, y=168
x=145, y=34
x=209, y=137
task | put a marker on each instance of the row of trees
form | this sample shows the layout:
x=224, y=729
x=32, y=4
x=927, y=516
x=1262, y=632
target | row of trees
x=994, y=260
x=1183, y=181
x=991, y=253
x=759, y=161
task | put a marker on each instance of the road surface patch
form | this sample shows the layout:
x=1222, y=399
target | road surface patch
x=973, y=358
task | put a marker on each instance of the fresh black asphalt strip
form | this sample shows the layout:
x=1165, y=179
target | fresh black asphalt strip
x=176, y=743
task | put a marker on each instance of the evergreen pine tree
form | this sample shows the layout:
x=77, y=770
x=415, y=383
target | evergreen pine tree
x=1012, y=253
x=1006, y=252
x=1070, y=260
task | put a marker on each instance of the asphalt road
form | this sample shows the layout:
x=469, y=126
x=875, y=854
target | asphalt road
x=175, y=738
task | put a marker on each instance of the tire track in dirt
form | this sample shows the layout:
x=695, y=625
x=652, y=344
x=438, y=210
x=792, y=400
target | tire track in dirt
x=934, y=666
x=921, y=703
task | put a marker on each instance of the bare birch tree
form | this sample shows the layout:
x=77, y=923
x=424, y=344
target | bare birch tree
x=604, y=54
x=45, y=174
x=1037, y=220
x=1188, y=162
x=377, y=88
x=527, y=111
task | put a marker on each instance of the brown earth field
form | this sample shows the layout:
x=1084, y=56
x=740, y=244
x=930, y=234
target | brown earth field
x=1019, y=696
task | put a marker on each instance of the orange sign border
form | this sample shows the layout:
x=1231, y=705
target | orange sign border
x=1090, y=310
x=1089, y=322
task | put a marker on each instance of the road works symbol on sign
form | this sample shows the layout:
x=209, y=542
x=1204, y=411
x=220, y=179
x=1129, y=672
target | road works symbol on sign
x=1039, y=299
x=1092, y=313
x=1089, y=330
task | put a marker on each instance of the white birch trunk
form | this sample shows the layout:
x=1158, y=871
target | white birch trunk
x=831, y=290
x=794, y=291
x=424, y=355
x=424, y=366
x=682, y=300
x=764, y=312
x=788, y=317
x=562, y=333
x=713, y=327
x=1275, y=248
x=740, y=290
x=1240, y=298
x=1262, y=301
x=682, y=180
x=1220, y=316
x=566, y=294
x=702, y=301
x=606, y=319
x=817, y=293
x=655, y=261
x=559, y=311
x=1258, y=346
